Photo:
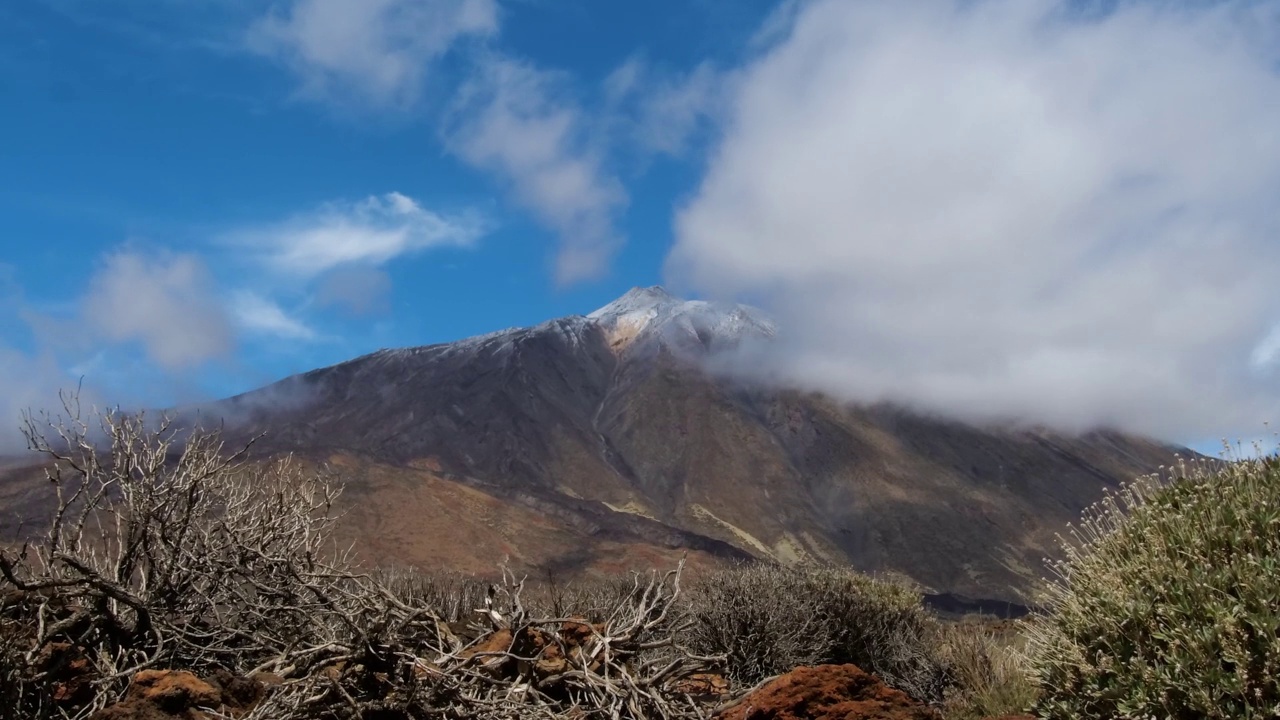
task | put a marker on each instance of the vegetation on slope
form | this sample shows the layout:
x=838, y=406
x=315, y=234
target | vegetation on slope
x=1168, y=603
x=168, y=552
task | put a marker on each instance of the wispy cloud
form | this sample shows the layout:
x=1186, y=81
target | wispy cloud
x=151, y=321
x=155, y=309
x=30, y=381
x=552, y=141
x=368, y=232
x=660, y=112
x=261, y=315
x=164, y=301
x=520, y=122
x=1266, y=353
x=357, y=290
x=377, y=51
x=1033, y=209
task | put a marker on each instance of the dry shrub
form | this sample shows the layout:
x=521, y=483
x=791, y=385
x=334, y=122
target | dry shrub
x=767, y=619
x=455, y=596
x=628, y=667
x=12, y=666
x=986, y=668
x=169, y=551
x=594, y=598
x=1168, y=602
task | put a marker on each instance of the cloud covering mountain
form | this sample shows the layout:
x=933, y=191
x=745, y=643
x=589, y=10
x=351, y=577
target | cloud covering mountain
x=1031, y=209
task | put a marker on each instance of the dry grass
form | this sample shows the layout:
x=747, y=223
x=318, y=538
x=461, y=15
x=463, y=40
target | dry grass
x=987, y=668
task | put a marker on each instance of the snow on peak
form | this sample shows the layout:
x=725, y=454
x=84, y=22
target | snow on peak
x=644, y=318
x=654, y=313
x=637, y=300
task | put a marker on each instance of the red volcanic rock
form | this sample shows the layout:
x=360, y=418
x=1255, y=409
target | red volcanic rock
x=828, y=692
x=175, y=694
x=174, y=690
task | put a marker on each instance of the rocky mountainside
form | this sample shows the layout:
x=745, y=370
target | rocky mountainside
x=602, y=441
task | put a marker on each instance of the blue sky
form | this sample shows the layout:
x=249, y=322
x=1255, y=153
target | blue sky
x=978, y=207
x=160, y=129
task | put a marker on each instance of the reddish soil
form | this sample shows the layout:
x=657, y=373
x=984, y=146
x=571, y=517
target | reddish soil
x=828, y=692
x=179, y=695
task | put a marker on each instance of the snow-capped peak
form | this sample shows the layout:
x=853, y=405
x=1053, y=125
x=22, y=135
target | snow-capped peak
x=643, y=319
x=638, y=299
x=653, y=313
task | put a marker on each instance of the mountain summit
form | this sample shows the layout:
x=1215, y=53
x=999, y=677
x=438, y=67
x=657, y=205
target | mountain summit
x=652, y=315
x=639, y=299
x=600, y=441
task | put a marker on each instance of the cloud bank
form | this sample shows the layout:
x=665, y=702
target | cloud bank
x=1009, y=209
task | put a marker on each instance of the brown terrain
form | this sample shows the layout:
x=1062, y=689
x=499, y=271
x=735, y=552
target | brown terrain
x=602, y=443
x=828, y=692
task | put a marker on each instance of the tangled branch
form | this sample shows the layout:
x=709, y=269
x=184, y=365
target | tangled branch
x=168, y=550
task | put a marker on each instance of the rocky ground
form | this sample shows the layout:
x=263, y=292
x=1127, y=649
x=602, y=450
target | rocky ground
x=826, y=692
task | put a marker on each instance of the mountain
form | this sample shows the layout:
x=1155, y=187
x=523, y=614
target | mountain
x=604, y=442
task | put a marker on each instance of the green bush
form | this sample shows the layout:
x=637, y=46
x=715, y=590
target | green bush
x=1168, y=602
x=768, y=620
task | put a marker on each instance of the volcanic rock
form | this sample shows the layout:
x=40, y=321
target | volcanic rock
x=180, y=695
x=828, y=692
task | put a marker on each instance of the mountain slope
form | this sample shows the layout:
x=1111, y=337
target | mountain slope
x=608, y=428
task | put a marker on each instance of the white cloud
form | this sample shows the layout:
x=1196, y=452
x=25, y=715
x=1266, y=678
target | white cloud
x=164, y=301
x=369, y=232
x=510, y=118
x=357, y=290
x=261, y=315
x=367, y=50
x=518, y=122
x=625, y=79
x=670, y=113
x=1008, y=208
x=659, y=112
x=28, y=381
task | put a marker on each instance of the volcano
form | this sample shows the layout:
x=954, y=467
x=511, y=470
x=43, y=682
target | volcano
x=604, y=440
x=611, y=441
